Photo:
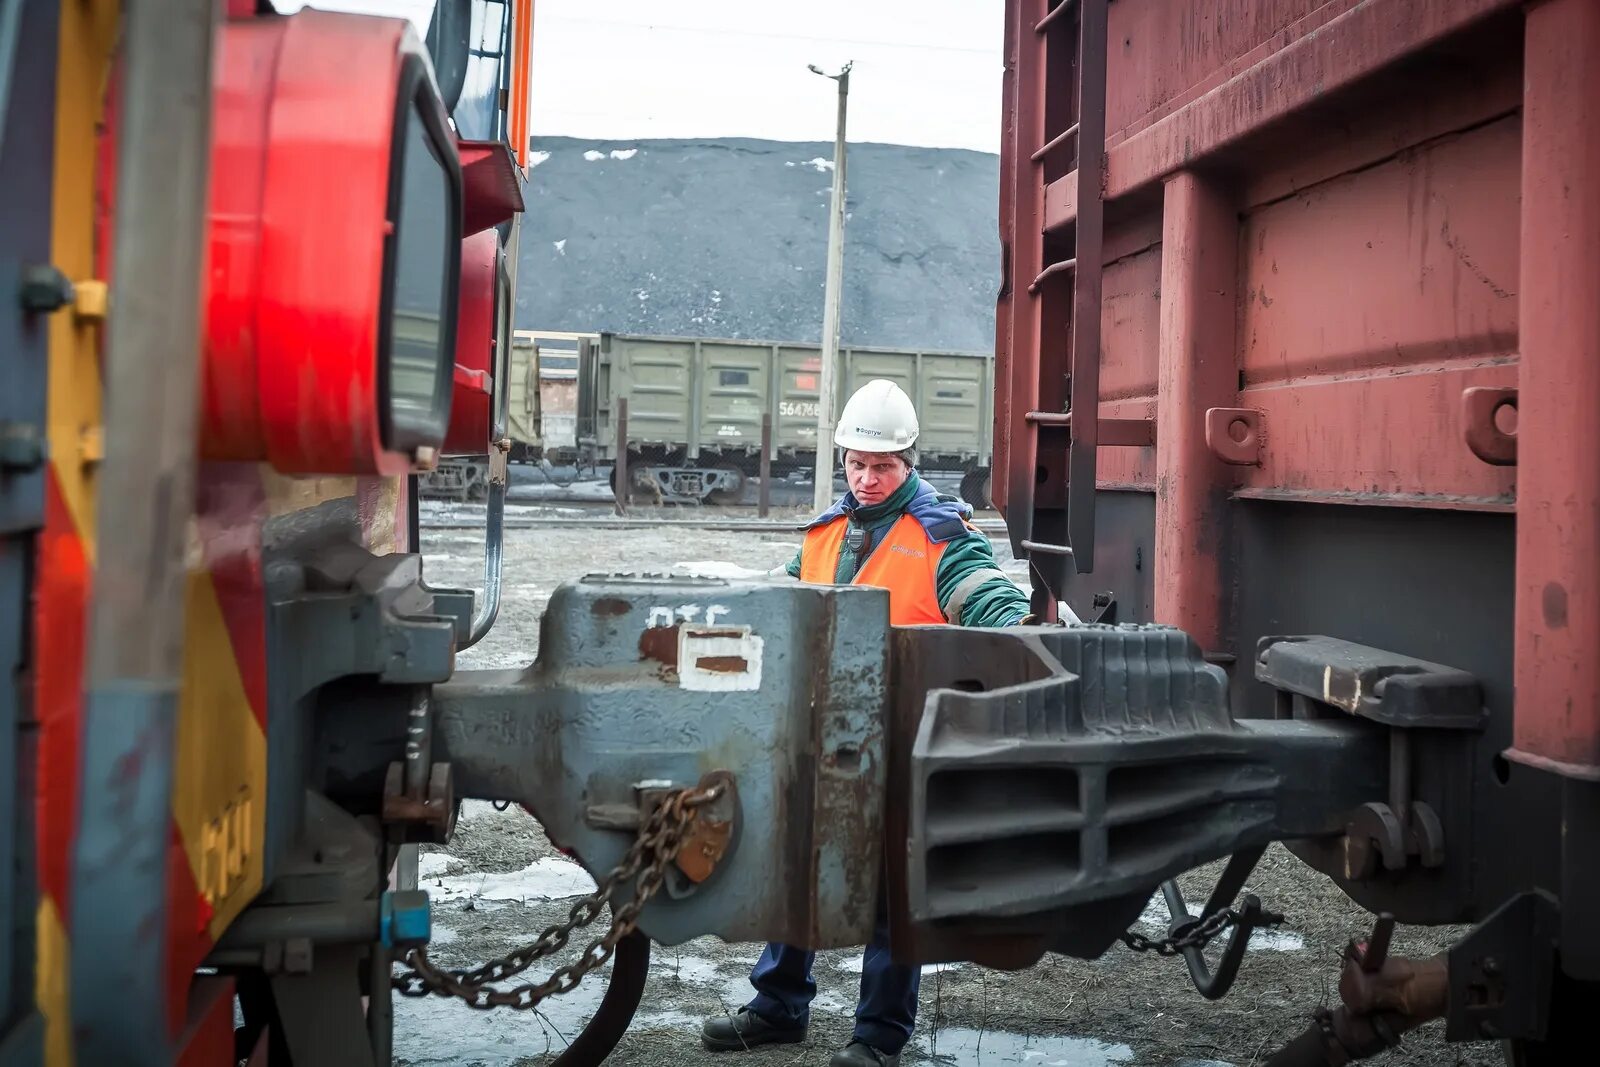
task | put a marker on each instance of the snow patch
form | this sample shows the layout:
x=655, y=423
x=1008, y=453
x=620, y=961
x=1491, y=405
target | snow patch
x=543, y=879
x=536, y=158
x=476, y=809
x=821, y=165
x=1156, y=916
x=961, y=1045
x=561, y=246
x=434, y=864
x=594, y=157
x=855, y=965
x=716, y=568
x=624, y=153
x=696, y=969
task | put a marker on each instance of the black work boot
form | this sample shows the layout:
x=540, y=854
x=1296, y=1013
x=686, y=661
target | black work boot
x=746, y=1030
x=861, y=1054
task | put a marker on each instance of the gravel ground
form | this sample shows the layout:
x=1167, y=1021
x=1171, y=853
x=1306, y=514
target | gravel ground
x=499, y=883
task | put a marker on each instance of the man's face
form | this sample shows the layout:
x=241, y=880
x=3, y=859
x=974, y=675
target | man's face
x=874, y=476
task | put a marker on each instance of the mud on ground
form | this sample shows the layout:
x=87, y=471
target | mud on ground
x=499, y=883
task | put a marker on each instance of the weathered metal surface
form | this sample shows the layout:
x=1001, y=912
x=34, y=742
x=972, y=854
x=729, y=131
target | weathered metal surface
x=1083, y=368
x=1185, y=51
x=1558, y=504
x=1199, y=262
x=27, y=90
x=1076, y=768
x=1292, y=73
x=19, y=893
x=1018, y=318
x=1500, y=974
x=1386, y=687
x=1371, y=302
x=122, y=902
x=646, y=683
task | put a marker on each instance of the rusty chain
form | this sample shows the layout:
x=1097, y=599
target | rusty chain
x=644, y=865
x=1199, y=936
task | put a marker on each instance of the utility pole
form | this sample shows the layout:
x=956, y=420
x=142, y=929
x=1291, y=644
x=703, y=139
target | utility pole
x=822, y=495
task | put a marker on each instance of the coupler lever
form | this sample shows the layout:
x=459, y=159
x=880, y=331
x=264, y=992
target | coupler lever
x=1188, y=935
x=1213, y=985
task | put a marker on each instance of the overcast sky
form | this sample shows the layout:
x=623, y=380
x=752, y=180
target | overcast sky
x=927, y=72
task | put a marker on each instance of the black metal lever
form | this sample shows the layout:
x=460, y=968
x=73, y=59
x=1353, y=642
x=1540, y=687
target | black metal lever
x=1214, y=985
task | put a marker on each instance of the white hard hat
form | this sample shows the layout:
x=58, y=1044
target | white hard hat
x=878, y=418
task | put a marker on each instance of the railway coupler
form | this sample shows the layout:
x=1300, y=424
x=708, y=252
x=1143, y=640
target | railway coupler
x=1055, y=777
x=765, y=703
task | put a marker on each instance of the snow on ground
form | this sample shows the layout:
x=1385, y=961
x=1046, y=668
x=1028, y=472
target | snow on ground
x=543, y=879
x=717, y=568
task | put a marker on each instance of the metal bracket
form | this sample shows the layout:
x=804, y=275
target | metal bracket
x=1377, y=835
x=1372, y=683
x=350, y=612
x=1105, y=605
x=1501, y=974
x=430, y=818
x=1235, y=435
x=1480, y=405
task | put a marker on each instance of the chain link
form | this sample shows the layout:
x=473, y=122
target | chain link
x=645, y=866
x=1199, y=936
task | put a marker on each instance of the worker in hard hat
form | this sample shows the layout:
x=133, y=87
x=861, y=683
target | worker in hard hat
x=893, y=531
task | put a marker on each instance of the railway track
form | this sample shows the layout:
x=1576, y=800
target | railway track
x=991, y=527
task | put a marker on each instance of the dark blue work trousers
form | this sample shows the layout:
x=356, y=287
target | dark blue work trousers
x=886, y=1012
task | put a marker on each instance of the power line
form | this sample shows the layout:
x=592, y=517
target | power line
x=723, y=31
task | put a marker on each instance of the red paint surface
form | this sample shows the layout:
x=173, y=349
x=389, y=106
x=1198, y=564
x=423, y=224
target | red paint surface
x=61, y=597
x=1287, y=77
x=1558, y=446
x=1198, y=371
x=207, y=1037
x=296, y=260
x=1019, y=318
x=1366, y=306
x=470, y=415
x=491, y=187
x=188, y=943
x=1165, y=54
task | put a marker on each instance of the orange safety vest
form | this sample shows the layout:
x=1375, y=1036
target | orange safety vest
x=905, y=562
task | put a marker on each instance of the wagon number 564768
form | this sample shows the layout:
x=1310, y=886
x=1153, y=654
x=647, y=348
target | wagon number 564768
x=800, y=409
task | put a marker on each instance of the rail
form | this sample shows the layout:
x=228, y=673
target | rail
x=613, y=522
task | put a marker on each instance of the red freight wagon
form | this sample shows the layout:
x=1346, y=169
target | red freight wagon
x=1304, y=263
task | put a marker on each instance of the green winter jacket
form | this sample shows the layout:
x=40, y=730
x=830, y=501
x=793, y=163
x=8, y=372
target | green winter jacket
x=996, y=601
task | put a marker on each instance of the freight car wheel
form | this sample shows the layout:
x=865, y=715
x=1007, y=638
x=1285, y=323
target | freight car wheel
x=726, y=497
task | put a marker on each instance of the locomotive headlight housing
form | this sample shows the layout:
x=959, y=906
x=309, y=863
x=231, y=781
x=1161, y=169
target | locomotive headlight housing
x=335, y=248
x=421, y=271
